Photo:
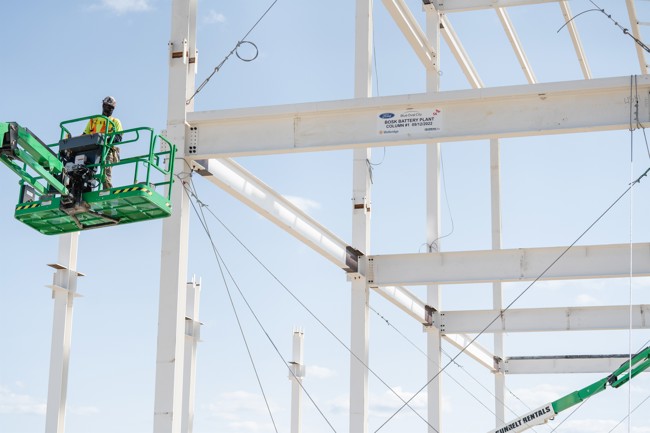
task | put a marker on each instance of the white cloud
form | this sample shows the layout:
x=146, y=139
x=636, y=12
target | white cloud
x=386, y=404
x=214, y=17
x=586, y=299
x=340, y=404
x=244, y=411
x=13, y=403
x=23, y=404
x=250, y=426
x=125, y=6
x=318, y=372
x=598, y=426
x=304, y=204
x=83, y=410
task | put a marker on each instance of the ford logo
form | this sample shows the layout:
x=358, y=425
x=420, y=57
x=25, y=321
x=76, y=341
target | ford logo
x=386, y=115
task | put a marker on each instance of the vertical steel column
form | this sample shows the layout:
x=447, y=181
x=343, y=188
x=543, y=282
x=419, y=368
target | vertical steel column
x=168, y=404
x=64, y=290
x=497, y=292
x=434, y=338
x=298, y=370
x=360, y=230
x=192, y=337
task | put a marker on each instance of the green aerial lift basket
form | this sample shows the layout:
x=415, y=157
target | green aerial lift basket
x=61, y=184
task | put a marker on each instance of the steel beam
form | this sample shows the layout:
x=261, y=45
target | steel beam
x=248, y=189
x=509, y=28
x=497, y=288
x=458, y=51
x=413, y=33
x=563, y=364
x=470, y=5
x=192, y=338
x=296, y=376
x=634, y=25
x=64, y=290
x=472, y=349
x=575, y=38
x=512, y=111
x=241, y=184
x=613, y=317
x=524, y=264
x=407, y=302
x=433, y=224
x=170, y=348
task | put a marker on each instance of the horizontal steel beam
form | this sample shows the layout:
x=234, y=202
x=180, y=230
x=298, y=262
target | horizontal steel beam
x=523, y=264
x=470, y=5
x=563, y=364
x=614, y=317
x=513, y=111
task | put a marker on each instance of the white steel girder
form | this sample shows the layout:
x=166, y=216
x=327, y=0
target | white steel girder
x=511, y=111
x=508, y=265
x=577, y=45
x=474, y=350
x=248, y=189
x=634, y=25
x=516, y=44
x=64, y=290
x=458, y=51
x=170, y=348
x=192, y=338
x=237, y=181
x=413, y=33
x=562, y=364
x=613, y=317
x=469, y=5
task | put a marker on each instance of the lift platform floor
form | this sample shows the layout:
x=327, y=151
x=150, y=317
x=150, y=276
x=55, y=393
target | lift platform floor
x=115, y=206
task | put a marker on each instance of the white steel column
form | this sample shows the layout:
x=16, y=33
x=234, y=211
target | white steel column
x=298, y=370
x=359, y=323
x=497, y=291
x=434, y=338
x=64, y=290
x=168, y=404
x=192, y=337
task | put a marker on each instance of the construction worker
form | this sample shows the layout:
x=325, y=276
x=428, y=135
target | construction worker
x=98, y=125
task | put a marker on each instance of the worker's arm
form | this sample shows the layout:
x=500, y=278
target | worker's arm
x=117, y=138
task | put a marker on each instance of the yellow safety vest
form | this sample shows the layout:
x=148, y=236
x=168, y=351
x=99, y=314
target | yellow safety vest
x=98, y=124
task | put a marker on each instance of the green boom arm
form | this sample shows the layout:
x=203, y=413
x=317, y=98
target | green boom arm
x=637, y=364
x=20, y=144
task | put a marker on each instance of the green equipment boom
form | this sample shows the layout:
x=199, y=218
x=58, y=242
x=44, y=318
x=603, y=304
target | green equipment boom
x=637, y=364
x=61, y=185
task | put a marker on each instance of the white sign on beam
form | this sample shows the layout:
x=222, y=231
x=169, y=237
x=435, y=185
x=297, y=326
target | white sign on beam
x=409, y=122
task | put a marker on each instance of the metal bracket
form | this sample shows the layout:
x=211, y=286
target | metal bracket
x=352, y=259
x=193, y=140
x=183, y=54
x=429, y=315
x=59, y=276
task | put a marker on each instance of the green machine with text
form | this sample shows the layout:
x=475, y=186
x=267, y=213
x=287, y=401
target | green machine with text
x=635, y=365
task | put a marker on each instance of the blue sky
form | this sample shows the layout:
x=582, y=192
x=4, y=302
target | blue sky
x=62, y=58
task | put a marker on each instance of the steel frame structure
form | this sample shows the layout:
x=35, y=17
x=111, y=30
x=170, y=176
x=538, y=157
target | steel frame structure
x=210, y=138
